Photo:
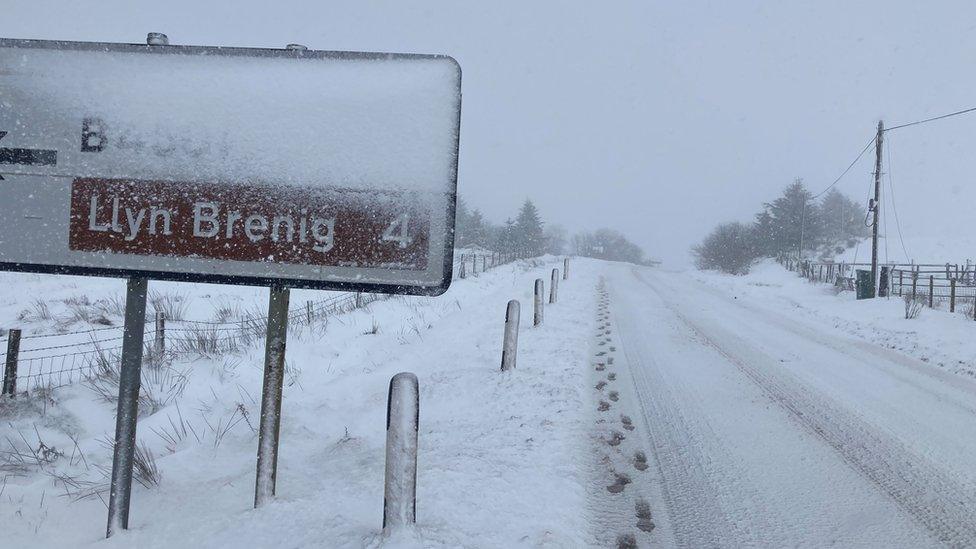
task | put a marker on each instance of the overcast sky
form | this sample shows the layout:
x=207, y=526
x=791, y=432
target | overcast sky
x=659, y=119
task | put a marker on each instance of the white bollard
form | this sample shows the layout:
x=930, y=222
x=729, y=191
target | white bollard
x=510, y=343
x=554, y=286
x=540, y=292
x=402, y=423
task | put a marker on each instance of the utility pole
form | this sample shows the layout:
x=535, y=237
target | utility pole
x=879, y=141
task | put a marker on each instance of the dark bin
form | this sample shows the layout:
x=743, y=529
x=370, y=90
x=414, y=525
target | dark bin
x=865, y=285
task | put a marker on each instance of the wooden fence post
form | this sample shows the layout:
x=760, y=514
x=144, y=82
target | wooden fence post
x=160, y=332
x=952, y=295
x=10, y=369
x=931, y=290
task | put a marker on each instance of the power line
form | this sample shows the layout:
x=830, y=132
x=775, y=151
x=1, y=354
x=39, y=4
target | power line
x=841, y=176
x=964, y=111
x=894, y=209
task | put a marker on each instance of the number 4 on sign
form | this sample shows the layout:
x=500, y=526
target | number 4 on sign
x=397, y=232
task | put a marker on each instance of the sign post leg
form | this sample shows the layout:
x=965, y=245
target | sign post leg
x=128, y=408
x=274, y=373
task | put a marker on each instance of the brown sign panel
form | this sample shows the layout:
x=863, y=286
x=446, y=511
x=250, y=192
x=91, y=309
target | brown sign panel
x=264, y=223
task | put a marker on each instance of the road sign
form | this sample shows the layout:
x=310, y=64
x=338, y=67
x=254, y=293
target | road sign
x=250, y=166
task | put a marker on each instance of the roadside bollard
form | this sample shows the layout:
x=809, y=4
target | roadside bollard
x=402, y=423
x=510, y=343
x=540, y=291
x=554, y=286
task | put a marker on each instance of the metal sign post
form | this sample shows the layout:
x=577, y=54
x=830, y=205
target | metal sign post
x=128, y=408
x=274, y=373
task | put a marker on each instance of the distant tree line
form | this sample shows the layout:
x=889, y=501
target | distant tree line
x=793, y=223
x=528, y=233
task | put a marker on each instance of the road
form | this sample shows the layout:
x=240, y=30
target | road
x=773, y=431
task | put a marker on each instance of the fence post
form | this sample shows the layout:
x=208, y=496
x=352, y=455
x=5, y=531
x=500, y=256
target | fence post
x=474, y=264
x=402, y=425
x=952, y=295
x=510, y=343
x=554, y=286
x=539, y=313
x=10, y=369
x=931, y=290
x=901, y=281
x=914, y=285
x=359, y=299
x=565, y=268
x=160, y=332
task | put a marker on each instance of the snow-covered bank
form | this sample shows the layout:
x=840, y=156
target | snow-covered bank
x=499, y=452
x=935, y=337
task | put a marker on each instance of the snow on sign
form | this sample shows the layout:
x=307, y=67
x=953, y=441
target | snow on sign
x=250, y=166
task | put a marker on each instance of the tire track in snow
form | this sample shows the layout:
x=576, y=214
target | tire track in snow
x=699, y=480
x=919, y=487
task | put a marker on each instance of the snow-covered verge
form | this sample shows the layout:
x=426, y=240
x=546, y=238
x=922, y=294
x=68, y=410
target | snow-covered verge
x=936, y=336
x=499, y=461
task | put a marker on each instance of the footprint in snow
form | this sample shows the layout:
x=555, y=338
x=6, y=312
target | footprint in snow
x=620, y=481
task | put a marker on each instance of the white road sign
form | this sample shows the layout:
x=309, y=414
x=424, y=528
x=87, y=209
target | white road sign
x=254, y=166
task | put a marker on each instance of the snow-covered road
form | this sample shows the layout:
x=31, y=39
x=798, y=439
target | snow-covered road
x=769, y=430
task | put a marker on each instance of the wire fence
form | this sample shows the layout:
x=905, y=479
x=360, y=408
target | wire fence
x=49, y=361
x=950, y=286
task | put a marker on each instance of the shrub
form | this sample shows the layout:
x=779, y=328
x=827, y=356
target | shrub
x=913, y=306
x=729, y=248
